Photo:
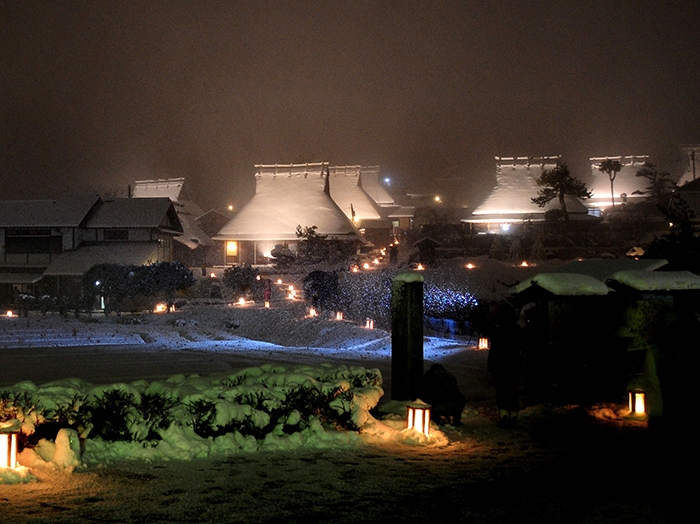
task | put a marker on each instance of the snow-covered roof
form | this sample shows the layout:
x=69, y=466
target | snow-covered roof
x=626, y=181
x=68, y=211
x=286, y=197
x=658, y=280
x=603, y=269
x=170, y=187
x=588, y=277
x=78, y=262
x=369, y=179
x=346, y=191
x=565, y=284
x=511, y=198
x=187, y=211
x=136, y=213
x=692, y=167
x=403, y=212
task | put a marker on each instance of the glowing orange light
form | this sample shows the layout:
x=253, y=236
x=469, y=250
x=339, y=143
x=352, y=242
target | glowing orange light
x=279, y=281
x=241, y=301
x=365, y=265
x=419, y=417
x=339, y=315
x=420, y=267
x=8, y=443
x=10, y=314
x=212, y=275
x=375, y=261
x=483, y=343
x=524, y=264
x=355, y=269
x=369, y=324
x=470, y=266
x=267, y=303
x=257, y=277
x=161, y=308
x=312, y=312
x=636, y=402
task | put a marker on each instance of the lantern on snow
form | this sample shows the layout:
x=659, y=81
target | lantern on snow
x=9, y=430
x=419, y=417
x=635, y=401
x=369, y=324
x=339, y=315
x=483, y=343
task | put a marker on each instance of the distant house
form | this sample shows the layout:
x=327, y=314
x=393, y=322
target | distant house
x=510, y=202
x=625, y=184
x=286, y=196
x=193, y=246
x=692, y=166
x=45, y=244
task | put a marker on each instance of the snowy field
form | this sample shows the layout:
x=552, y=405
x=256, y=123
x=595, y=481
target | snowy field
x=563, y=464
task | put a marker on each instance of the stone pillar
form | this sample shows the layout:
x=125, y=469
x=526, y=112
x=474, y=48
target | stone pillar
x=406, y=336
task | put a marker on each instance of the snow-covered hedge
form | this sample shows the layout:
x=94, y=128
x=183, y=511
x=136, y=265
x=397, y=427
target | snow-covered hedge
x=187, y=417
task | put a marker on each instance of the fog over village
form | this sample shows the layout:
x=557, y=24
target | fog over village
x=369, y=261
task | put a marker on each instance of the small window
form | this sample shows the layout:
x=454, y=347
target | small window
x=232, y=248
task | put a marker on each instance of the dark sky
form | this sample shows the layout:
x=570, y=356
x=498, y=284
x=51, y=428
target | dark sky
x=97, y=94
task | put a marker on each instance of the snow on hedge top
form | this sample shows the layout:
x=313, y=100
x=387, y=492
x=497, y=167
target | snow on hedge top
x=565, y=284
x=658, y=280
x=283, y=201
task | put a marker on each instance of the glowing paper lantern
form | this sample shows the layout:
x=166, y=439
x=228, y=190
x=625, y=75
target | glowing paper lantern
x=365, y=265
x=10, y=314
x=267, y=303
x=369, y=324
x=636, y=404
x=420, y=267
x=483, y=343
x=9, y=430
x=524, y=264
x=312, y=312
x=470, y=266
x=339, y=315
x=241, y=301
x=419, y=417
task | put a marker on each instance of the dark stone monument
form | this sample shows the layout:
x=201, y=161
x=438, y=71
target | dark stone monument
x=406, y=336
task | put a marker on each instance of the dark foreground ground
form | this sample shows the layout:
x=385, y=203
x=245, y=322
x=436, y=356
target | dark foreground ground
x=560, y=465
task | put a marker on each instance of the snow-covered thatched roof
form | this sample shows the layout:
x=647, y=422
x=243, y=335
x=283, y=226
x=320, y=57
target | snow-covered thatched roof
x=516, y=186
x=369, y=179
x=626, y=181
x=348, y=192
x=287, y=196
x=68, y=211
x=135, y=213
x=78, y=262
x=692, y=167
x=565, y=284
x=187, y=211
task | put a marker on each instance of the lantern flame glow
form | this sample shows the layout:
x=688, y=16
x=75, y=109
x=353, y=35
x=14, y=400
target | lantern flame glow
x=636, y=403
x=312, y=312
x=10, y=314
x=483, y=343
x=419, y=417
x=369, y=324
x=8, y=444
x=339, y=315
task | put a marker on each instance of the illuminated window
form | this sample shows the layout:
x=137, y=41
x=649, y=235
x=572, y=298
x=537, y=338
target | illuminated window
x=231, y=248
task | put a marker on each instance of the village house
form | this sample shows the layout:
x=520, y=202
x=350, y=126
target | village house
x=194, y=245
x=287, y=196
x=509, y=205
x=47, y=245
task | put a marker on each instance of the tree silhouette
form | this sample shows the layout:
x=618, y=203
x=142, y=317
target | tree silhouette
x=558, y=183
x=611, y=168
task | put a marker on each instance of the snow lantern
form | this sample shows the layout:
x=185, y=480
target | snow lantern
x=369, y=324
x=419, y=417
x=339, y=315
x=10, y=314
x=267, y=304
x=483, y=343
x=312, y=312
x=470, y=266
x=9, y=430
x=419, y=267
x=635, y=400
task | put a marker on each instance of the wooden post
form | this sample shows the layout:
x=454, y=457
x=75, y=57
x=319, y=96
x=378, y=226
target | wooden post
x=406, y=336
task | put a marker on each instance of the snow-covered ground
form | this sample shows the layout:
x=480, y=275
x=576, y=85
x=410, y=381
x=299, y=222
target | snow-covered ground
x=561, y=464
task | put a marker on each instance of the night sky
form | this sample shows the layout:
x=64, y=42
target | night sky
x=97, y=94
